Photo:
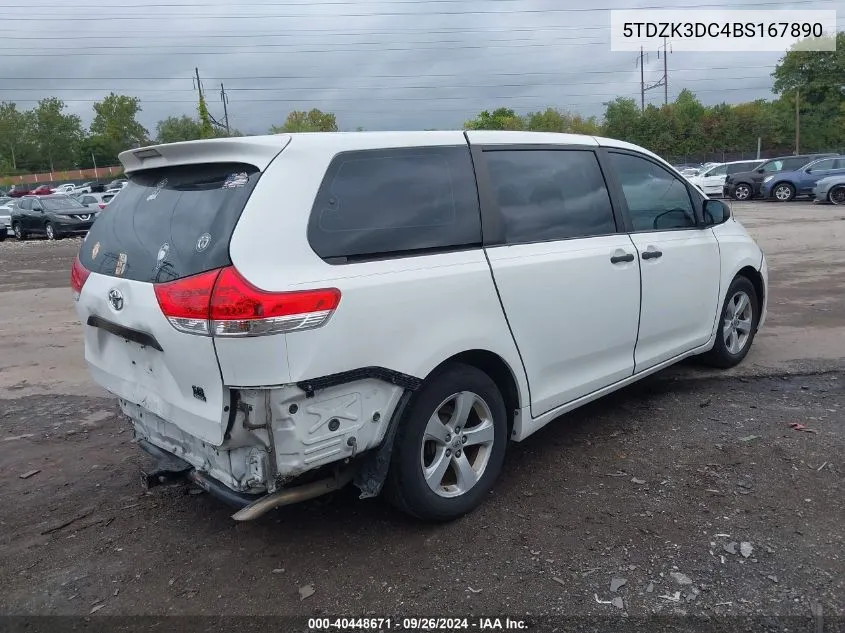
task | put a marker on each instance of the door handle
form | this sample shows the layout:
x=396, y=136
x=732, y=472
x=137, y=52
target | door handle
x=618, y=259
x=652, y=254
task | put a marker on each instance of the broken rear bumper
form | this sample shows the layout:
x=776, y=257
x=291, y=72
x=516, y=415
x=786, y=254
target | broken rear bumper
x=169, y=467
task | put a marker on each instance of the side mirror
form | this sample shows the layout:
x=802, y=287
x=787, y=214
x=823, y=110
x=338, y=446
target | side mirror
x=716, y=212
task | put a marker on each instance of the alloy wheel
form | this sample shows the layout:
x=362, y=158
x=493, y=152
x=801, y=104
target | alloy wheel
x=457, y=444
x=736, y=328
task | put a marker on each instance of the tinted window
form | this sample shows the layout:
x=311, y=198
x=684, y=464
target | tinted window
x=823, y=165
x=390, y=201
x=88, y=200
x=550, y=194
x=170, y=222
x=25, y=204
x=772, y=166
x=721, y=170
x=742, y=167
x=60, y=204
x=656, y=199
x=790, y=164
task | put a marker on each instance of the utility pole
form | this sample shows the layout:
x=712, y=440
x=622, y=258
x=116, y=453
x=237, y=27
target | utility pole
x=225, y=101
x=642, y=81
x=199, y=83
x=797, y=122
x=665, y=72
x=94, y=160
x=643, y=87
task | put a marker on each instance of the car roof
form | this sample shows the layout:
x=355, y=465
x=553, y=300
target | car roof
x=48, y=195
x=261, y=150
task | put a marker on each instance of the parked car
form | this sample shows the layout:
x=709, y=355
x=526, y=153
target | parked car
x=118, y=184
x=712, y=180
x=746, y=185
x=786, y=185
x=830, y=189
x=107, y=199
x=54, y=215
x=6, y=205
x=18, y=191
x=89, y=187
x=424, y=298
x=93, y=201
x=65, y=189
x=42, y=190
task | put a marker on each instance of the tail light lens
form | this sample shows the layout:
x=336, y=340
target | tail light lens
x=222, y=303
x=102, y=205
x=78, y=277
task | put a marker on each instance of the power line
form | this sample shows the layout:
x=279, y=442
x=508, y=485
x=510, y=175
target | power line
x=383, y=98
x=371, y=87
x=379, y=76
x=194, y=16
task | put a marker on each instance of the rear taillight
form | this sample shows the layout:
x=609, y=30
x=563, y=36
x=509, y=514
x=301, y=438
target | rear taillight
x=221, y=302
x=78, y=277
x=102, y=205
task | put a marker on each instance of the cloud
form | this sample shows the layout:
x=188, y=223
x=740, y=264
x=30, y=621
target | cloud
x=379, y=64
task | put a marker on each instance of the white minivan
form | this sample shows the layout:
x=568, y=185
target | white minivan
x=282, y=315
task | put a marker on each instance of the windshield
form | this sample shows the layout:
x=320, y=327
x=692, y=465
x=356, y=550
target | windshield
x=170, y=222
x=60, y=204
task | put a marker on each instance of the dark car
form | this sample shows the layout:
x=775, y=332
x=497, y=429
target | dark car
x=746, y=185
x=18, y=191
x=54, y=216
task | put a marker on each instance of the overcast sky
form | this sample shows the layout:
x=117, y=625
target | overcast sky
x=378, y=64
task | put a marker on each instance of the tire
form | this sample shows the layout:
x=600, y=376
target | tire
x=443, y=496
x=743, y=191
x=20, y=234
x=783, y=192
x=51, y=232
x=836, y=195
x=729, y=351
x=2, y=232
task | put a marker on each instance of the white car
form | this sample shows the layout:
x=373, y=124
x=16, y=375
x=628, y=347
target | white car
x=65, y=189
x=6, y=205
x=281, y=315
x=712, y=181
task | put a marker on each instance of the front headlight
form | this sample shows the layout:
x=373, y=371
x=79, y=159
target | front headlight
x=768, y=178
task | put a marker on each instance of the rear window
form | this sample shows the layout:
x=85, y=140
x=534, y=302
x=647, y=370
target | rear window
x=170, y=223
x=398, y=201
x=60, y=204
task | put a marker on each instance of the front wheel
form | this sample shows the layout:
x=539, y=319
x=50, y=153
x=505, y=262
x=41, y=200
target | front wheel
x=450, y=445
x=783, y=192
x=20, y=234
x=737, y=325
x=742, y=192
x=52, y=233
x=837, y=194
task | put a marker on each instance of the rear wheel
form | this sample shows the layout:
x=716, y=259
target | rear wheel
x=742, y=192
x=737, y=325
x=783, y=192
x=20, y=234
x=52, y=232
x=837, y=194
x=450, y=446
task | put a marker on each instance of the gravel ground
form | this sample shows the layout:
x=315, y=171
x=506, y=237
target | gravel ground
x=690, y=493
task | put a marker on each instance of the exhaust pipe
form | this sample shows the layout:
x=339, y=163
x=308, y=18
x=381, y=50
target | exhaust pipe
x=291, y=496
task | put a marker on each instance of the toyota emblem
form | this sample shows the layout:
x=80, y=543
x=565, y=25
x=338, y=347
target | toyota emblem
x=116, y=299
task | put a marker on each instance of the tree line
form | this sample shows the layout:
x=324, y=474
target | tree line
x=48, y=138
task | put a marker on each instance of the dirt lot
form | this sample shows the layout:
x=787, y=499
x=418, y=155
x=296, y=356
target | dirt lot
x=692, y=487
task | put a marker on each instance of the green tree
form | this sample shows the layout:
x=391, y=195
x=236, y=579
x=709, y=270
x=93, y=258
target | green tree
x=17, y=142
x=115, y=123
x=178, y=128
x=623, y=120
x=312, y=121
x=499, y=119
x=817, y=80
x=96, y=151
x=57, y=135
x=553, y=120
x=206, y=126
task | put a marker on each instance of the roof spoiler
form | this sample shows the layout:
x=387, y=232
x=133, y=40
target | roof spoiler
x=252, y=150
